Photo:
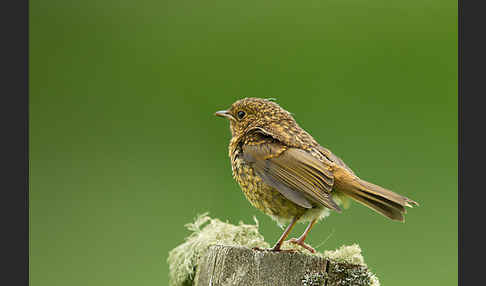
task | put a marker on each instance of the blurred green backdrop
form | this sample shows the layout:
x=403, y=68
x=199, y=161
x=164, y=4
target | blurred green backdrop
x=125, y=149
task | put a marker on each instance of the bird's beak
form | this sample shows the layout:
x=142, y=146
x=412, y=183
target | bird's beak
x=224, y=113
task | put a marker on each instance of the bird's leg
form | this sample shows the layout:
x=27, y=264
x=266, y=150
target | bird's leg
x=300, y=240
x=285, y=234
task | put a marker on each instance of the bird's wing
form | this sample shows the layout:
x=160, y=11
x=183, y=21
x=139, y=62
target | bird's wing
x=333, y=158
x=269, y=131
x=295, y=173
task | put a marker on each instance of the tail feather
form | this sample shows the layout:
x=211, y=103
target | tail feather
x=394, y=213
x=380, y=191
x=381, y=200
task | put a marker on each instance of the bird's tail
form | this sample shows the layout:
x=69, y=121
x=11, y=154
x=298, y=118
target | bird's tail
x=381, y=200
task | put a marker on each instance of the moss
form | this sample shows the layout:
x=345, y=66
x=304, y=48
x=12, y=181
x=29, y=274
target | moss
x=207, y=231
x=346, y=254
x=358, y=273
x=314, y=278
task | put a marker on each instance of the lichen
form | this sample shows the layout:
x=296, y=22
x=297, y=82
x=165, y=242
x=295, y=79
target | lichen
x=207, y=231
x=346, y=254
x=373, y=279
x=351, y=255
x=314, y=278
x=347, y=268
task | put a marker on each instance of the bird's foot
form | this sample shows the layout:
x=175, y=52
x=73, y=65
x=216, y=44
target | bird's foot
x=301, y=243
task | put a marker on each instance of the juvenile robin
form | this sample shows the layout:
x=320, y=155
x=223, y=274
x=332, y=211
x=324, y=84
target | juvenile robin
x=286, y=174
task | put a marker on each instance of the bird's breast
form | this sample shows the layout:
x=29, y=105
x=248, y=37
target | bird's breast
x=246, y=177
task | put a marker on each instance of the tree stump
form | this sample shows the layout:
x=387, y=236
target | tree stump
x=235, y=265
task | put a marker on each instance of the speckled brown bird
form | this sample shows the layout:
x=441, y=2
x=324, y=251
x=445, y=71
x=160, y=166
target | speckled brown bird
x=286, y=174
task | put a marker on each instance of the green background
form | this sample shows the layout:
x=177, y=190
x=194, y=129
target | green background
x=124, y=147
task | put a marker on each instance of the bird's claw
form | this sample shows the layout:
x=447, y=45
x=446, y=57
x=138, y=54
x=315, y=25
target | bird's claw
x=301, y=243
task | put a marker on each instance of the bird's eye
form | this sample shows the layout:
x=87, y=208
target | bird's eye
x=241, y=114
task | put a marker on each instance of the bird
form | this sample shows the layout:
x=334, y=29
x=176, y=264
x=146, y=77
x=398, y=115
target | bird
x=285, y=173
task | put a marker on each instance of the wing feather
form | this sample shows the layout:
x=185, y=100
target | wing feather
x=295, y=173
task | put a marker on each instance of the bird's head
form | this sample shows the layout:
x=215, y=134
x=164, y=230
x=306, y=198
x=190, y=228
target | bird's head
x=249, y=113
